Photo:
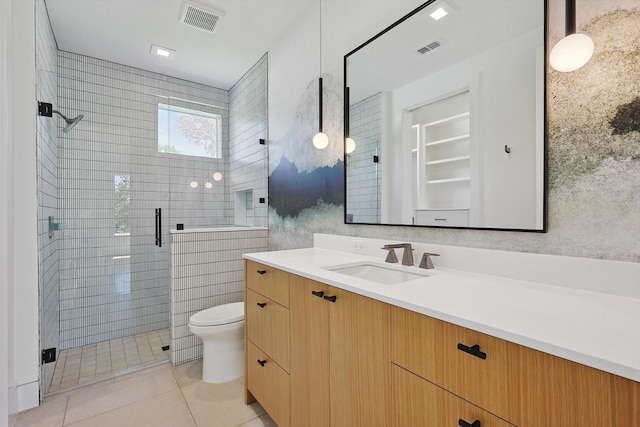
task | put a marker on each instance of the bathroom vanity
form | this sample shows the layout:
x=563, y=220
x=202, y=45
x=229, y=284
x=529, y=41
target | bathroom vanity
x=329, y=347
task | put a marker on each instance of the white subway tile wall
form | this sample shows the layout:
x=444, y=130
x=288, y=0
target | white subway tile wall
x=207, y=270
x=248, y=159
x=364, y=192
x=117, y=284
x=47, y=169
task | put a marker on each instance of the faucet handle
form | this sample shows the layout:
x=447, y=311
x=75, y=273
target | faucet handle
x=391, y=256
x=426, y=262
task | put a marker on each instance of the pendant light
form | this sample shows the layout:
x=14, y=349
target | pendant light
x=349, y=143
x=320, y=139
x=574, y=50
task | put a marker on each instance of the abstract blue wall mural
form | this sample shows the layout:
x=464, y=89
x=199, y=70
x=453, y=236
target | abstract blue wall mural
x=291, y=191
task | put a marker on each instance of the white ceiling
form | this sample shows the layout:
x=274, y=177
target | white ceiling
x=472, y=26
x=123, y=31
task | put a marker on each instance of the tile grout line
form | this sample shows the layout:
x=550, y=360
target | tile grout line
x=83, y=420
x=66, y=408
x=173, y=372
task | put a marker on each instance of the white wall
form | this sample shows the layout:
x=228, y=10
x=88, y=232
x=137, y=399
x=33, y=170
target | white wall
x=23, y=199
x=6, y=260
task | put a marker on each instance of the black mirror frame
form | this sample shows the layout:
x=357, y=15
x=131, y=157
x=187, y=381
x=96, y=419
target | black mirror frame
x=544, y=228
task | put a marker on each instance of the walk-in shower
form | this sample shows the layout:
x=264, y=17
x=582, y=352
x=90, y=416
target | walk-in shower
x=105, y=285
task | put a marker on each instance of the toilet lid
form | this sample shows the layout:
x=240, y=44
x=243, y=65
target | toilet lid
x=219, y=315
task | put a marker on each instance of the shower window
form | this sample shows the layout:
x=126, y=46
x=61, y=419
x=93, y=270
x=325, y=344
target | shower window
x=189, y=132
x=123, y=190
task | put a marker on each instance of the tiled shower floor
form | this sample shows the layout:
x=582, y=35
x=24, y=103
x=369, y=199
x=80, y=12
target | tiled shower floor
x=85, y=364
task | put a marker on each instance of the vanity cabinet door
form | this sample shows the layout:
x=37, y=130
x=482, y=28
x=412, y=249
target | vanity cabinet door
x=420, y=403
x=268, y=281
x=268, y=327
x=360, y=365
x=339, y=357
x=309, y=316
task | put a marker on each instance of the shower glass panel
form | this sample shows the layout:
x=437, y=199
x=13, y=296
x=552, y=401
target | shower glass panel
x=48, y=244
x=113, y=279
x=193, y=136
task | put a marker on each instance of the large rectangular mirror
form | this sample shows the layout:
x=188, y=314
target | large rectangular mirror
x=445, y=119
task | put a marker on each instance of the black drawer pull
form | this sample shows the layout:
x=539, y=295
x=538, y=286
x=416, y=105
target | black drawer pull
x=262, y=304
x=474, y=351
x=262, y=362
x=331, y=298
x=261, y=271
x=463, y=423
x=319, y=294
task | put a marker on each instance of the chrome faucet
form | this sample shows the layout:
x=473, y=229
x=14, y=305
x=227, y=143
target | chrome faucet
x=407, y=256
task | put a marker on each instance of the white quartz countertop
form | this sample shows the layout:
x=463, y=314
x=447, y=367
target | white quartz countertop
x=591, y=328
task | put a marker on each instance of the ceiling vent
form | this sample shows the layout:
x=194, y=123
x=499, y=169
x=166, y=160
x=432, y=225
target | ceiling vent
x=198, y=16
x=429, y=47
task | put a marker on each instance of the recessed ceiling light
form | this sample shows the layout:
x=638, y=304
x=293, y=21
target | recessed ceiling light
x=165, y=52
x=439, y=13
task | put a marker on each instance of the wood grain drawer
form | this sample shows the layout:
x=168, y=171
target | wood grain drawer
x=268, y=281
x=475, y=366
x=479, y=368
x=558, y=392
x=419, y=403
x=414, y=342
x=269, y=384
x=267, y=325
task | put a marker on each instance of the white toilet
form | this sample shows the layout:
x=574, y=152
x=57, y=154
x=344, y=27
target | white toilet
x=221, y=329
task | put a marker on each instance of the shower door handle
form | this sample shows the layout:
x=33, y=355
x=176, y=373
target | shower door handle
x=159, y=227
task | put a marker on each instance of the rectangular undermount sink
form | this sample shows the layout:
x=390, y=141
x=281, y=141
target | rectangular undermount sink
x=379, y=273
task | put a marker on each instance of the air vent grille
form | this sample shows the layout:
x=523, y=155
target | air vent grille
x=428, y=48
x=199, y=17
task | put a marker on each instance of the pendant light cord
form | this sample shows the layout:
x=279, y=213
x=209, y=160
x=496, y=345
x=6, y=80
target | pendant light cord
x=570, y=17
x=320, y=126
x=320, y=36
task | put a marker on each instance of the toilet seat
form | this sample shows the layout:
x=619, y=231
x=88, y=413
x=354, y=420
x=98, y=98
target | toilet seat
x=219, y=315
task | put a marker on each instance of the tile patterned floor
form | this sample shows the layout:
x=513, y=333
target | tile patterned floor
x=86, y=364
x=157, y=396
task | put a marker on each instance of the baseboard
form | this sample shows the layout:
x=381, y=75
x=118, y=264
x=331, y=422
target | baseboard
x=28, y=395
